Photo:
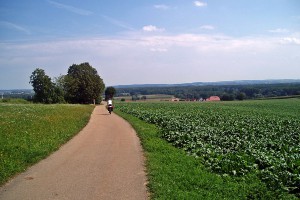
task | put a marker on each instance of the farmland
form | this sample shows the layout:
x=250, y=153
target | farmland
x=30, y=132
x=234, y=139
x=153, y=97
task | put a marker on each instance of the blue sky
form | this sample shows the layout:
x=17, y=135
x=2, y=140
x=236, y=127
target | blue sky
x=153, y=41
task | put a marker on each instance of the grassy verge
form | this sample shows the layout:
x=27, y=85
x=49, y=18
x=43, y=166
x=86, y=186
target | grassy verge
x=174, y=175
x=14, y=101
x=30, y=132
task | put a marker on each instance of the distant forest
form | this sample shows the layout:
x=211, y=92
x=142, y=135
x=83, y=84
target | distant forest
x=225, y=92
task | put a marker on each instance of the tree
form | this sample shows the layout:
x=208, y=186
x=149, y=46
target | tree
x=60, y=82
x=45, y=90
x=135, y=97
x=82, y=84
x=227, y=97
x=110, y=93
x=144, y=97
x=241, y=96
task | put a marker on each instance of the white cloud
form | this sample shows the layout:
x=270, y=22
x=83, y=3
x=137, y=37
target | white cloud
x=151, y=28
x=291, y=40
x=166, y=58
x=161, y=7
x=207, y=27
x=117, y=23
x=15, y=27
x=279, y=30
x=69, y=8
x=158, y=49
x=200, y=4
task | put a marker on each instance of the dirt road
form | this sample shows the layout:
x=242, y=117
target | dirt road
x=104, y=161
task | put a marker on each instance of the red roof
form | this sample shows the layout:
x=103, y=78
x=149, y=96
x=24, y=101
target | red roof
x=213, y=98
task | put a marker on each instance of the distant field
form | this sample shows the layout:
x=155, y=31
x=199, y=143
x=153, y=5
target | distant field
x=30, y=132
x=153, y=97
x=235, y=139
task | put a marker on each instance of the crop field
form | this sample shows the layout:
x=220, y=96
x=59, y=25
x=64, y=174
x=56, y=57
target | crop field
x=30, y=132
x=234, y=139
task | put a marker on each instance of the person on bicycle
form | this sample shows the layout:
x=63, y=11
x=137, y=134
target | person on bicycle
x=109, y=102
x=110, y=107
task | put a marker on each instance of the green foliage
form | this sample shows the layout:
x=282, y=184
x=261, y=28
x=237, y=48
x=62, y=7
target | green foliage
x=234, y=138
x=83, y=84
x=14, y=101
x=30, y=132
x=110, y=93
x=135, y=97
x=45, y=90
x=231, y=92
x=227, y=97
x=241, y=96
x=174, y=175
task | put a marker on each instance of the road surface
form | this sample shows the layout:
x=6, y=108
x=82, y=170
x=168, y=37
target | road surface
x=104, y=161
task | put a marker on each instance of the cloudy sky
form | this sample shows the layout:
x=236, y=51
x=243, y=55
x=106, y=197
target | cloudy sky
x=150, y=41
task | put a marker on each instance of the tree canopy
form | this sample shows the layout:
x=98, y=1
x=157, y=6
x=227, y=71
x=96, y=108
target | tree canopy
x=225, y=92
x=45, y=90
x=82, y=84
x=110, y=93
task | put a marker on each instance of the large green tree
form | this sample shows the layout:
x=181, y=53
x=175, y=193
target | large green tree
x=82, y=84
x=45, y=90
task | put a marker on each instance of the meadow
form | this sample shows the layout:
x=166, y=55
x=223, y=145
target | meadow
x=252, y=141
x=30, y=132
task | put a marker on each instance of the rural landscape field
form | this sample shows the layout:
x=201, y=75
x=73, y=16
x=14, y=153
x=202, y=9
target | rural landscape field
x=239, y=139
x=160, y=100
x=30, y=132
x=232, y=150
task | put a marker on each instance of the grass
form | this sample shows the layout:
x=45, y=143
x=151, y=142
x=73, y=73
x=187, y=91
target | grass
x=30, y=132
x=15, y=101
x=173, y=174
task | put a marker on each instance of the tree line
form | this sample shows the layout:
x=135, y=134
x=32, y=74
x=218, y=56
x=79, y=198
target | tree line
x=82, y=84
x=225, y=92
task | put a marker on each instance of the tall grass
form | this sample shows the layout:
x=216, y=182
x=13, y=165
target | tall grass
x=30, y=132
x=14, y=101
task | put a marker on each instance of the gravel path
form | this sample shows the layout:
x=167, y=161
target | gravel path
x=104, y=161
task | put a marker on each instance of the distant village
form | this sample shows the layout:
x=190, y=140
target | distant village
x=21, y=93
x=211, y=98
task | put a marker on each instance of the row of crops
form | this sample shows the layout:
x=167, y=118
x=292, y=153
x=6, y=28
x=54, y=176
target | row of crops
x=234, y=138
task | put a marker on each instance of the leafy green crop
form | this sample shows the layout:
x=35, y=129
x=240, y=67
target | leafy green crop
x=234, y=138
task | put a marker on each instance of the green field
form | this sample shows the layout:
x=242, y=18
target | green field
x=240, y=140
x=221, y=150
x=30, y=132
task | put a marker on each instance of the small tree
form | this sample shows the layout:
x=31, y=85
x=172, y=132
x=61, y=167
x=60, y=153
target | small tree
x=241, y=96
x=110, y=93
x=45, y=90
x=135, y=97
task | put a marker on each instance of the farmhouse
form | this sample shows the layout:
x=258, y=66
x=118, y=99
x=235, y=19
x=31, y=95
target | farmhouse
x=213, y=98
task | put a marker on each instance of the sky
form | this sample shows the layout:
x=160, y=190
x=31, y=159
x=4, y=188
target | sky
x=150, y=41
